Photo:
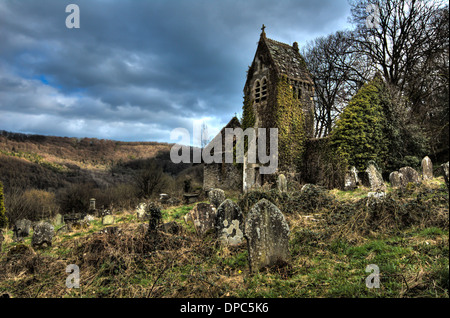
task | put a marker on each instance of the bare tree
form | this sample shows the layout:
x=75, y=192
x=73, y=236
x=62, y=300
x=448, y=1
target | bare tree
x=338, y=72
x=402, y=35
x=407, y=41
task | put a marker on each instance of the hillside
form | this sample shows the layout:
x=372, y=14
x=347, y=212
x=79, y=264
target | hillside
x=68, y=171
x=47, y=162
x=58, y=160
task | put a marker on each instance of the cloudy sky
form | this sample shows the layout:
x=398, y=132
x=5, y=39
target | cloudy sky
x=137, y=69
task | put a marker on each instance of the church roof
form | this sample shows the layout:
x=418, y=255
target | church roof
x=287, y=59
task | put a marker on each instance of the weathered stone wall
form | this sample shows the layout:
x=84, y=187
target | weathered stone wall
x=226, y=176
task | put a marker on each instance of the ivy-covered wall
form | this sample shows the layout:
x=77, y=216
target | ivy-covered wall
x=289, y=119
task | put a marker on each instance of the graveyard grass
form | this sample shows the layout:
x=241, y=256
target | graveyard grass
x=327, y=259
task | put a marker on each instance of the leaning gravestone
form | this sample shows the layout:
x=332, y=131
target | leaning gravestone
x=282, y=183
x=164, y=198
x=427, y=168
x=216, y=197
x=375, y=178
x=43, y=233
x=267, y=234
x=229, y=223
x=445, y=169
x=203, y=216
x=409, y=175
x=396, y=179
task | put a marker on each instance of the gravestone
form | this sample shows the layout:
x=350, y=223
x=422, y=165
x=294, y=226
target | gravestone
x=108, y=220
x=351, y=179
x=164, y=198
x=22, y=229
x=58, y=220
x=375, y=178
x=89, y=218
x=396, y=179
x=267, y=234
x=427, y=168
x=141, y=212
x=376, y=195
x=282, y=183
x=229, y=223
x=43, y=233
x=409, y=175
x=191, y=198
x=203, y=216
x=445, y=170
x=92, y=204
x=216, y=197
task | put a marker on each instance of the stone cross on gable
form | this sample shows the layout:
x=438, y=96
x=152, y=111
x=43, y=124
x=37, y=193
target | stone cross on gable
x=263, y=33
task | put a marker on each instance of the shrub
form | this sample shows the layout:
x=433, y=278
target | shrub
x=31, y=204
x=75, y=198
x=359, y=131
x=151, y=180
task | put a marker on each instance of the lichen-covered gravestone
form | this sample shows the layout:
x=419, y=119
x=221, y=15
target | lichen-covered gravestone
x=203, y=216
x=141, y=212
x=396, y=179
x=375, y=178
x=43, y=233
x=427, y=168
x=229, y=223
x=267, y=234
x=216, y=197
x=282, y=183
x=409, y=175
x=108, y=220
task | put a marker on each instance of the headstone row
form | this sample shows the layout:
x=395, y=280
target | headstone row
x=398, y=179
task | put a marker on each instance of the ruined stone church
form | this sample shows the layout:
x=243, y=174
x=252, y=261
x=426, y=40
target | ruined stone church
x=278, y=82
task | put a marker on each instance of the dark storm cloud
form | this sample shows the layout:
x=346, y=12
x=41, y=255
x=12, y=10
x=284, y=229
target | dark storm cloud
x=137, y=69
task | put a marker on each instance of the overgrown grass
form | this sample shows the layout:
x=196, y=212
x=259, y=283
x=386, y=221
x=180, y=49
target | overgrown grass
x=332, y=242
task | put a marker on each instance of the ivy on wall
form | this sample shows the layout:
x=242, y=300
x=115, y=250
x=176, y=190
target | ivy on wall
x=286, y=114
x=248, y=115
x=289, y=119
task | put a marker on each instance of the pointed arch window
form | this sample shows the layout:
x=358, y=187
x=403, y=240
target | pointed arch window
x=257, y=92
x=264, y=90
